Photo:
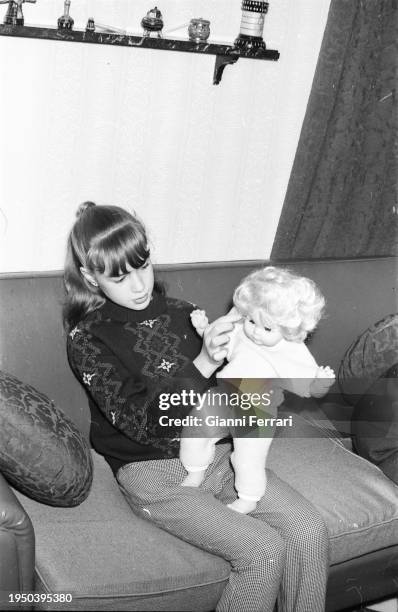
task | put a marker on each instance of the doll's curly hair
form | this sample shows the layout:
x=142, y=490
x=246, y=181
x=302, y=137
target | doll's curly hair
x=294, y=303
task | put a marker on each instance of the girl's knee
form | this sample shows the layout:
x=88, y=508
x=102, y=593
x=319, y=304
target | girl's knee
x=270, y=551
x=311, y=534
x=320, y=534
x=314, y=525
x=279, y=552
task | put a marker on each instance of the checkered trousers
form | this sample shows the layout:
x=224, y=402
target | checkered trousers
x=277, y=553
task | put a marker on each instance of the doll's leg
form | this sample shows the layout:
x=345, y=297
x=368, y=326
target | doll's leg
x=196, y=454
x=248, y=460
x=197, y=445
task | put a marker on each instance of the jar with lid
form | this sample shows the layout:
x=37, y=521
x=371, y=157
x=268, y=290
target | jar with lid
x=199, y=30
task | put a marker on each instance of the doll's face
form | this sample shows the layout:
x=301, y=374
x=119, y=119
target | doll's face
x=261, y=330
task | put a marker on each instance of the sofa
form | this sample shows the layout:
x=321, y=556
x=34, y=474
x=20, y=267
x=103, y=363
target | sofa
x=103, y=556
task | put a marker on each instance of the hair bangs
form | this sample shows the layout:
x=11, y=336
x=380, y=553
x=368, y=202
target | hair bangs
x=123, y=246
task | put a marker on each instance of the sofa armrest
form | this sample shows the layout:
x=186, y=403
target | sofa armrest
x=17, y=546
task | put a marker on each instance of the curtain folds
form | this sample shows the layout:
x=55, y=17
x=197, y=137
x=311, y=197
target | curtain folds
x=342, y=199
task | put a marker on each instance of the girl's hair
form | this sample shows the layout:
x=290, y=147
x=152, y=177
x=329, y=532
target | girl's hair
x=104, y=239
x=293, y=303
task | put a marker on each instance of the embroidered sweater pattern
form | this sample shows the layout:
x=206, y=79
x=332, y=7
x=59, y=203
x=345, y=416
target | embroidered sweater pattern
x=125, y=359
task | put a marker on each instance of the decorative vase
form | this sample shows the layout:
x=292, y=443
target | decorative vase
x=199, y=30
x=153, y=22
x=65, y=22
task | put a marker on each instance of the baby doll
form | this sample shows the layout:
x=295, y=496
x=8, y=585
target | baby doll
x=278, y=311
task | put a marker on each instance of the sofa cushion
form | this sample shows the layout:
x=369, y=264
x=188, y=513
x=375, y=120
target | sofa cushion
x=41, y=451
x=368, y=357
x=357, y=501
x=375, y=424
x=108, y=558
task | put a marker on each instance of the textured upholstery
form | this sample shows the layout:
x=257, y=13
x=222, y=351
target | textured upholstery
x=358, y=503
x=375, y=424
x=369, y=357
x=42, y=452
x=368, y=380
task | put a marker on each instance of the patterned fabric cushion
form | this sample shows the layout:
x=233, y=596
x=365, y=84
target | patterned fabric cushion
x=41, y=451
x=368, y=358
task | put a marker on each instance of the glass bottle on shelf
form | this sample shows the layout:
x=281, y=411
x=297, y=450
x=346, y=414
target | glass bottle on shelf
x=65, y=22
x=250, y=38
x=19, y=18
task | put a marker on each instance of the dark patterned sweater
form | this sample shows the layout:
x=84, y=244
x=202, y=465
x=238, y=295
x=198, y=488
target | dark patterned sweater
x=125, y=359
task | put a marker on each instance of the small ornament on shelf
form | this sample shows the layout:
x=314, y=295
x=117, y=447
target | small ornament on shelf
x=250, y=37
x=14, y=14
x=199, y=30
x=65, y=22
x=153, y=22
x=90, y=27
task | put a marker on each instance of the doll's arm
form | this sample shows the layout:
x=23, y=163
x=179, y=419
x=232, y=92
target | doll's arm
x=324, y=379
x=199, y=321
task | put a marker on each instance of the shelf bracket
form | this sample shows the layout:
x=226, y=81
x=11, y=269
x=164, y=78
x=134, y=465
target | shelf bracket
x=221, y=62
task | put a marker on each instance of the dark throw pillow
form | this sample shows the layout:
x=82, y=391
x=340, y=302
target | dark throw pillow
x=374, y=424
x=373, y=353
x=42, y=453
x=368, y=381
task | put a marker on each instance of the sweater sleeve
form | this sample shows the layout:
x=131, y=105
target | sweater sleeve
x=129, y=401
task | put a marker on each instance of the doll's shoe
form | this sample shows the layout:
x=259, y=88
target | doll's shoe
x=244, y=506
x=193, y=479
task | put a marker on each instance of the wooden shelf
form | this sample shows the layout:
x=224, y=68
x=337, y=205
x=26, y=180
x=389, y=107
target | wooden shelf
x=225, y=54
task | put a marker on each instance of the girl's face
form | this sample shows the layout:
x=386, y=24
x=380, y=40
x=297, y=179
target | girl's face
x=261, y=330
x=132, y=290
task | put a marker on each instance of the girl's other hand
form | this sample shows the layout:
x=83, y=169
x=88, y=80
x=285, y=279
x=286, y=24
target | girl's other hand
x=215, y=343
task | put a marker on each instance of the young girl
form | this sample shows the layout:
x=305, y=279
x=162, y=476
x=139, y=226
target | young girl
x=128, y=344
x=277, y=309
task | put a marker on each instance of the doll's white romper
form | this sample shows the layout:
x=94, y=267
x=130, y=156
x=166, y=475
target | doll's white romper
x=290, y=361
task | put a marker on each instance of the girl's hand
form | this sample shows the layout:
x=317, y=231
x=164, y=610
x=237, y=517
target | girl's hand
x=215, y=343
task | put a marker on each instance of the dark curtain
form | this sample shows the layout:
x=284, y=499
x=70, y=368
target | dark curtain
x=342, y=194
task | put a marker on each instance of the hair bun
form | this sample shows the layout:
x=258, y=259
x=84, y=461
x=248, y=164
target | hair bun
x=83, y=207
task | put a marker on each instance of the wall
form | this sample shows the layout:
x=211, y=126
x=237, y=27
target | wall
x=206, y=165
